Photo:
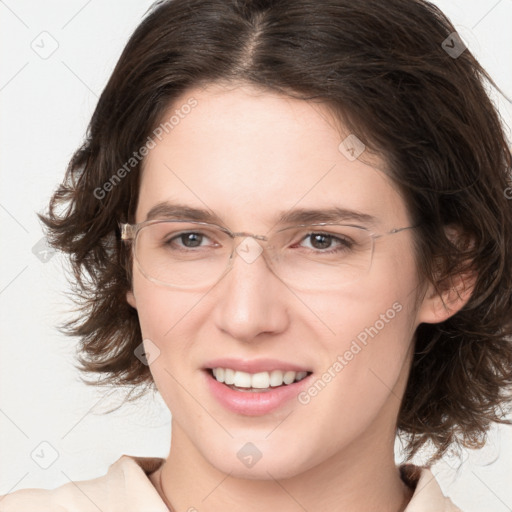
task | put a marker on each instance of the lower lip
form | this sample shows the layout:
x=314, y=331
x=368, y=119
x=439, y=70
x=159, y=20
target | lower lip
x=254, y=403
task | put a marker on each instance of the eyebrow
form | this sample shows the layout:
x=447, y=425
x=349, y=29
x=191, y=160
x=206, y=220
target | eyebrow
x=166, y=210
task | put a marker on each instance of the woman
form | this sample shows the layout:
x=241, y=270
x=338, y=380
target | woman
x=291, y=218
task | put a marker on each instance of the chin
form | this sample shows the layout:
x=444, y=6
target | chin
x=262, y=460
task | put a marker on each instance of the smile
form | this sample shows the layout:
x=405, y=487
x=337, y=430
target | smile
x=256, y=381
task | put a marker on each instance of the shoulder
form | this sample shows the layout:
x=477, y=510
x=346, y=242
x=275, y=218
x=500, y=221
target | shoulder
x=125, y=487
x=428, y=496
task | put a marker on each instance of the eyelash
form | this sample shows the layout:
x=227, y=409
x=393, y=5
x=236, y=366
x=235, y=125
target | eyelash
x=343, y=243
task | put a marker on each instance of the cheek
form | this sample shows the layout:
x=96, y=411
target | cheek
x=365, y=365
x=380, y=306
x=367, y=329
x=366, y=335
x=163, y=315
x=160, y=310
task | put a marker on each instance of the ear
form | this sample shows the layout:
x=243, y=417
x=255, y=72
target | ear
x=130, y=298
x=451, y=294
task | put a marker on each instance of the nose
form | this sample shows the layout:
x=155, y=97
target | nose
x=250, y=299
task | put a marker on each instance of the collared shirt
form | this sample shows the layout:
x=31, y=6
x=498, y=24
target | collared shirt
x=127, y=488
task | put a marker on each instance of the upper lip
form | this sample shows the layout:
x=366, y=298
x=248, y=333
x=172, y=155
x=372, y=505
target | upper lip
x=255, y=365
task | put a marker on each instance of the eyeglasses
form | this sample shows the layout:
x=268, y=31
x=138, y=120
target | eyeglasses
x=191, y=255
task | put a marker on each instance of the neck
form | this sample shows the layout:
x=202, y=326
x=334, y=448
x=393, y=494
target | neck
x=361, y=477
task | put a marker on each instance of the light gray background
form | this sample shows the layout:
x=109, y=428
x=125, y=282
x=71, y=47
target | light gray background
x=46, y=102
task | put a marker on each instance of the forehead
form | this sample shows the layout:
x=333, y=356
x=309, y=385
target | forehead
x=247, y=154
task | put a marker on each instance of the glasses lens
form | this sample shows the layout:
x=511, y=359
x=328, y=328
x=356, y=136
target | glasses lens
x=320, y=257
x=182, y=254
x=195, y=255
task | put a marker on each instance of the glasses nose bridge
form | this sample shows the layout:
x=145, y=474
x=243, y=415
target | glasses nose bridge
x=248, y=253
x=245, y=234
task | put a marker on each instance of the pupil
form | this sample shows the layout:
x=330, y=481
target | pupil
x=320, y=241
x=191, y=239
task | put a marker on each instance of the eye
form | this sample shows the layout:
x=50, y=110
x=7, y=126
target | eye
x=187, y=240
x=323, y=241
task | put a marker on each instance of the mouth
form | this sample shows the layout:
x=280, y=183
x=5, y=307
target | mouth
x=260, y=382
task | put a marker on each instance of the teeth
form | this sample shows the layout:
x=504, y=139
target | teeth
x=229, y=376
x=261, y=380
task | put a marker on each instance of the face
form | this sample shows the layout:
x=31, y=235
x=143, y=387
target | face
x=250, y=156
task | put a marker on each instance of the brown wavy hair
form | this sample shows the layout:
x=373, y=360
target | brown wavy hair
x=382, y=68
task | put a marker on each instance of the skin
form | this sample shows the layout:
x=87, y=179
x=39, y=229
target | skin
x=248, y=155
